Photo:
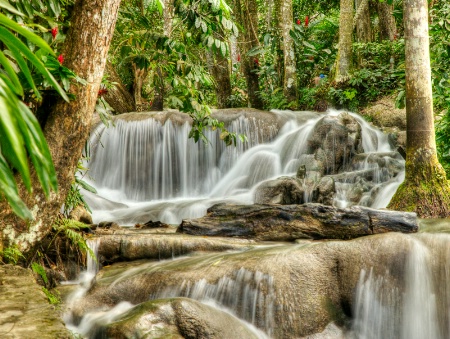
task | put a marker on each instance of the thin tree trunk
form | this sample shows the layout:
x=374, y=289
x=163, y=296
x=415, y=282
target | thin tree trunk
x=247, y=14
x=68, y=125
x=386, y=21
x=140, y=74
x=118, y=97
x=220, y=71
x=285, y=20
x=425, y=189
x=344, y=58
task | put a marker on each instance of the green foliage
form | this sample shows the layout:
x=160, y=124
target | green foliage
x=40, y=270
x=53, y=298
x=440, y=66
x=11, y=255
x=71, y=229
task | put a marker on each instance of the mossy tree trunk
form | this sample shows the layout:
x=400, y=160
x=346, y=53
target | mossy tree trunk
x=362, y=21
x=285, y=19
x=425, y=189
x=386, y=21
x=68, y=125
x=344, y=58
x=140, y=74
x=246, y=12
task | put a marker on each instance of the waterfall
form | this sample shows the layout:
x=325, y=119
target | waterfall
x=148, y=169
x=415, y=308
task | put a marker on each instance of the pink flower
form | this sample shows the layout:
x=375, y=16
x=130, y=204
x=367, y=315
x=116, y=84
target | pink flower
x=61, y=59
x=54, y=31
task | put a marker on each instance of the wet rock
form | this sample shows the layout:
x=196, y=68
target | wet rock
x=177, y=318
x=297, y=290
x=334, y=141
x=132, y=244
x=284, y=191
x=108, y=225
x=80, y=214
x=24, y=309
x=290, y=222
x=383, y=113
x=325, y=191
x=152, y=224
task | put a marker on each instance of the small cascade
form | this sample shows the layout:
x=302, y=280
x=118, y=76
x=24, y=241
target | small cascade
x=148, y=169
x=415, y=308
x=248, y=295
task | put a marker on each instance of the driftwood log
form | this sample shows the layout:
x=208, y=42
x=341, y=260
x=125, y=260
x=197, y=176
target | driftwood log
x=290, y=222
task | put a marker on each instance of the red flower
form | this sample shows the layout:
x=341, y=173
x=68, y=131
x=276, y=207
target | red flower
x=256, y=61
x=61, y=59
x=54, y=31
x=239, y=58
x=102, y=92
x=306, y=21
x=298, y=22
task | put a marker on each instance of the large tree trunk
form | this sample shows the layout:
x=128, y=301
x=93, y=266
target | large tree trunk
x=247, y=15
x=344, y=58
x=425, y=189
x=386, y=21
x=285, y=20
x=69, y=124
x=118, y=97
x=362, y=21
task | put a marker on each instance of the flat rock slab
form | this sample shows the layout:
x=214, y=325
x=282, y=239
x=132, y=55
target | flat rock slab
x=24, y=309
x=290, y=222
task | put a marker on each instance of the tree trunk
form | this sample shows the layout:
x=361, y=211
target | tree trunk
x=169, y=13
x=344, y=58
x=220, y=71
x=362, y=21
x=68, y=125
x=386, y=21
x=140, y=74
x=118, y=97
x=425, y=189
x=285, y=19
x=247, y=15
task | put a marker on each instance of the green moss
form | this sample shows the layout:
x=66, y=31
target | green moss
x=425, y=191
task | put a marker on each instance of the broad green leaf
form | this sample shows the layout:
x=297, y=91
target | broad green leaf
x=6, y=5
x=8, y=190
x=26, y=33
x=17, y=87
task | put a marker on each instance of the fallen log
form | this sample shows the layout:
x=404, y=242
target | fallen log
x=291, y=222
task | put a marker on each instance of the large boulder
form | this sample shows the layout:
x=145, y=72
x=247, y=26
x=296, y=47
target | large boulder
x=334, y=141
x=284, y=191
x=290, y=222
x=177, y=318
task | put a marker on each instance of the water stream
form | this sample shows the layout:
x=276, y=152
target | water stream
x=148, y=170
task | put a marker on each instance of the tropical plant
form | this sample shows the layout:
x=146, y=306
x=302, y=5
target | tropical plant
x=20, y=134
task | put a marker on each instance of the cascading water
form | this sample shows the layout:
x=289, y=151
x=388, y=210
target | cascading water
x=148, y=170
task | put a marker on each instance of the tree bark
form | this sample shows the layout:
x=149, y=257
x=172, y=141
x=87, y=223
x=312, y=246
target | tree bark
x=285, y=19
x=68, y=126
x=140, y=74
x=344, y=58
x=291, y=222
x=425, y=189
x=118, y=97
x=220, y=71
x=247, y=15
x=362, y=21
x=386, y=21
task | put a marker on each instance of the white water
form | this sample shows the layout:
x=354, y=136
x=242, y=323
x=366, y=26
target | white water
x=145, y=170
x=416, y=308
